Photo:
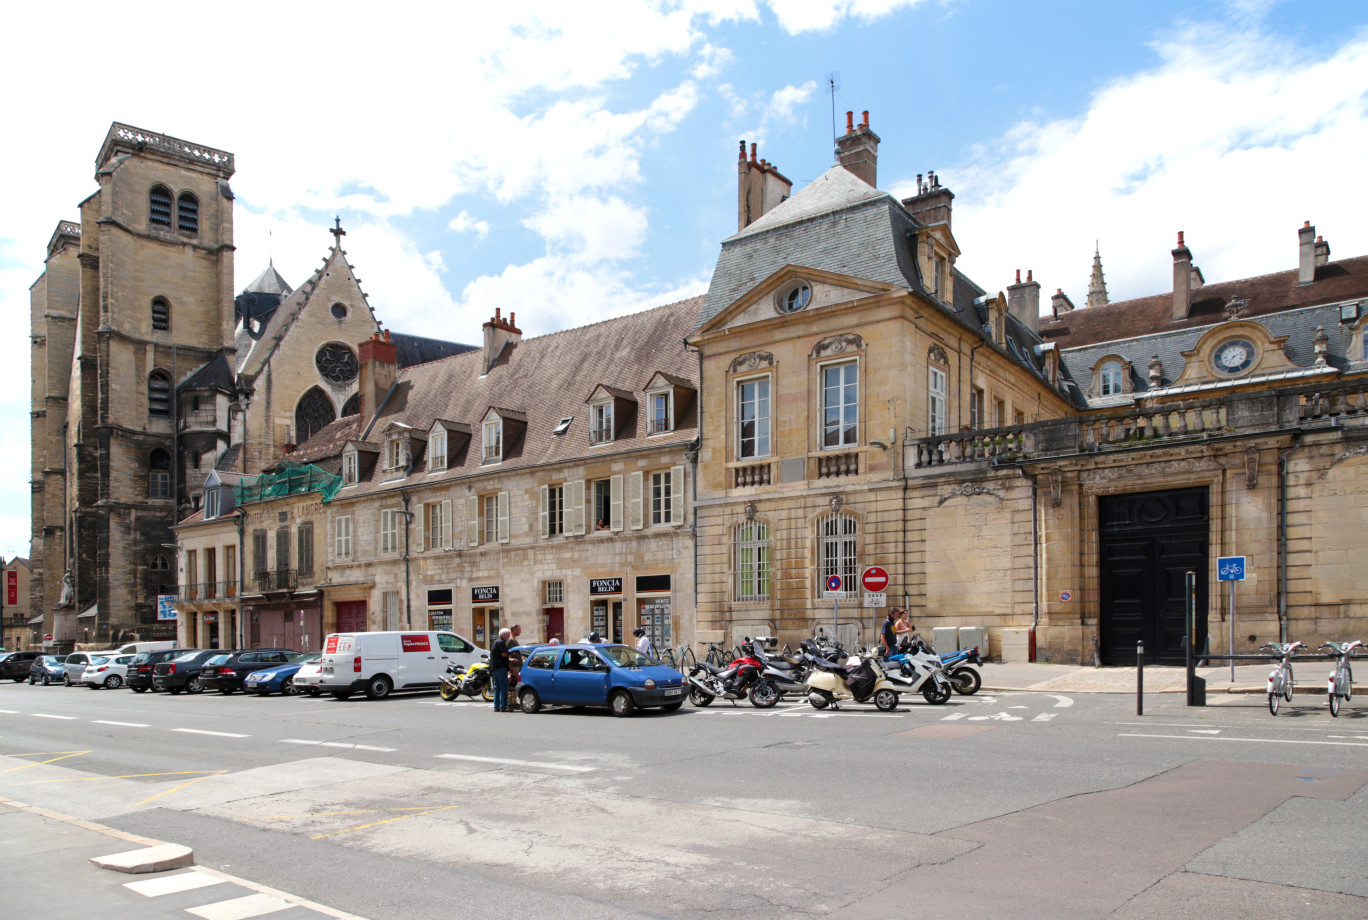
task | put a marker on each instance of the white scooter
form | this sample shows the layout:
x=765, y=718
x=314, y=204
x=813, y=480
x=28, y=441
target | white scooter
x=922, y=671
x=831, y=682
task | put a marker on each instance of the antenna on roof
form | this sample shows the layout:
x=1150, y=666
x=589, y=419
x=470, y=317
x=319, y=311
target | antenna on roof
x=833, y=82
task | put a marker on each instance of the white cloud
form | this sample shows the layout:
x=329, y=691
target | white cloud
x=590, y=230
x=818, y=15
x=712, y=60
x=465, y=222
x=1230, y=137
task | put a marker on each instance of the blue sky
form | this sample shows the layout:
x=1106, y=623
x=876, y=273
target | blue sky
x=575, y=161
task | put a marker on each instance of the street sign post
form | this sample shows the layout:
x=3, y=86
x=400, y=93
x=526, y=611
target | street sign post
x=1231, y=569
x=833, y=584
x=874, y=579
x=875, y=599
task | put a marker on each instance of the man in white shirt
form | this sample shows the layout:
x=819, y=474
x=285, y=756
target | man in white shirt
x=643, y=641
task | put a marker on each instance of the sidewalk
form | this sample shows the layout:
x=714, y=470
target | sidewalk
x=1249, y=678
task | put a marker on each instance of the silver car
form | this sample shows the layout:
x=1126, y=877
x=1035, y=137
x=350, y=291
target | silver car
x=76, y=662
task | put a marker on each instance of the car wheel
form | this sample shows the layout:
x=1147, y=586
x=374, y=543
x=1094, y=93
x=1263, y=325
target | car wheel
x=529, y=701
x=113, y=682
x=341, y=694
x=32, y=680
x=67, y=679
x=621, y=703
x=138, y=689
x=46, y=680
x=287, y=687
x=174, y=691
x=194, y=686
x=378, y=687
x=312, y=691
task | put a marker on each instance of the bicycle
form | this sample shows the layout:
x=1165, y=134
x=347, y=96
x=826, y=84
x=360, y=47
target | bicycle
x=718, y=657
x=1280, y=680
x=1341, y=683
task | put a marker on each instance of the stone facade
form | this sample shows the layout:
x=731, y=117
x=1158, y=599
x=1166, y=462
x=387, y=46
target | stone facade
x=18, y=632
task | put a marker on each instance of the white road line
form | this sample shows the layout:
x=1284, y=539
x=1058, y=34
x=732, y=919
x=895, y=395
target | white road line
x=13, y=712
x=1045, y=717
x=1350, y=737
x=254, y=905
x=339, y=744
x=518, y=763
x=1064, y=701
x=125, y=724
x=952, y=717
x=202, y=731
x=173, y=884
x=1254, y=740
x=43, y=715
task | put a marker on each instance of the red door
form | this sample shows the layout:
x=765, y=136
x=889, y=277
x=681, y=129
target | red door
x=555, y=623
x=351, y=616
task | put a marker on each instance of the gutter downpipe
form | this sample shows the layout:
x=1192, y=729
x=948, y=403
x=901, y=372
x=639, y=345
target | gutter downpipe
x=1282, y=535
x=692, y=452
x=408, y=524
x=1035, y=562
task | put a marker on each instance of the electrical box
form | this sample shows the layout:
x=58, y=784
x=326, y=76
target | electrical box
x=945, y=639
x=1016, y=645
x=970, y=636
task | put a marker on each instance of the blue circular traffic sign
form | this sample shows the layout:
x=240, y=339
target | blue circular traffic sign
x=834, y=583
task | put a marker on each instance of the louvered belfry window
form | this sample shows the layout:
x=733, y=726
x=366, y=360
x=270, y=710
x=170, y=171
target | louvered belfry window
x=187, y=213
x=159, y=395
x=159, y=206
x=161, y=314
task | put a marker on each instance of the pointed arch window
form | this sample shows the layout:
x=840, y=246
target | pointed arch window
x=159, y=474
x=187, y=213
x=313, y=412
x=159, y=206
x=352, y=406
x=159, y=395
x=161, y=314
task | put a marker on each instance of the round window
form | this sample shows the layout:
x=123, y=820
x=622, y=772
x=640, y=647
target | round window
x=337, y=363
x=1233, y=356
x=339, y=311
x=797, y=298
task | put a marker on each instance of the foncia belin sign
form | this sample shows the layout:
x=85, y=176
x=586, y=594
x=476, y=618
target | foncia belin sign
x=485, y=595
x=605, y=586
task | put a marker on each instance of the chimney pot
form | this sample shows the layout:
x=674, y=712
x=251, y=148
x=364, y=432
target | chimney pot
x=512, y=319
x=1306, y=223
x=1018, y=276
x=1029, y=273
x=850, y=122
x=743, y=149
x=752, y=157
x=1180, y=237
x=864, y=122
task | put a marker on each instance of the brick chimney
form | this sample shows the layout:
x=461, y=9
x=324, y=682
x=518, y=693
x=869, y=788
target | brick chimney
x=759, y=188
x=1306, y=253
x=1060, y=303
x=498, y=332
x=931, y=204
x=379, y=368
x=1322, y=251
x=1182, y=280
x=858, y=149
x=1023, y=301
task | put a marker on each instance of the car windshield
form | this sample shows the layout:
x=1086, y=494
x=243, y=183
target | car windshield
x=55, y=659
x=218, y=659
x=97, y=661
x=188, y=656
x=625, y=657
x=305, y=657
x=141, y=657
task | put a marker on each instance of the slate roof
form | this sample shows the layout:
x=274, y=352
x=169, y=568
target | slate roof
x=269, y=282
x=418, y=349
x=546, y=378
x=215, y=374
x=834, y=189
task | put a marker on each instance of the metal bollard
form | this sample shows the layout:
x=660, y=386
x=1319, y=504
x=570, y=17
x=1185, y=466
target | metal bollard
x=1140, y=678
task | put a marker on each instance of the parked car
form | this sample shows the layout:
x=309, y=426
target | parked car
x=380, y=662
x=140, y=672
x=16, y=665
x=76, y=663
x=182, y=672
x=307, y=678
x=226, y=673
x=616, y=676
x=279, y=678
x=47, y=669
x=106, y=672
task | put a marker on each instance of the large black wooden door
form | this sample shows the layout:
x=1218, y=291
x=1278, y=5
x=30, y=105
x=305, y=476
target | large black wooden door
x=1149, y=541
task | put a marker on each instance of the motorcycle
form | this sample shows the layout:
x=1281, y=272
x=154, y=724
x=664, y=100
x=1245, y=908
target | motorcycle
x=707, y=682
x=921, y=671
x=782, y=674
x=860, y=678
x=914, y=651
x=471, y=681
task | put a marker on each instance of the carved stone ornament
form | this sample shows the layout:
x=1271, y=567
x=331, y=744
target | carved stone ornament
x=968, y=490
x=1156, y=371
x=938, y=356
x=1322, y=344
x=1234, y=307
x=1251, y=459
x=1056, y=488
x=836, y=504
x=837, y=345
x=750, y=511
x=68, y=592
x=752, y=361
x=1135, y=471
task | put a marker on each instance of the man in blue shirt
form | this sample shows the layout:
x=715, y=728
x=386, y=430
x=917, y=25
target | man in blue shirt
x=498, y=668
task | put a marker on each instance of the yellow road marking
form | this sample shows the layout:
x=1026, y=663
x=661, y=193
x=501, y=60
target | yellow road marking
x=181, y=786
x=329, y=814
x=87, y=779
x=39, y=763
x=43, y=753
x=362, y=827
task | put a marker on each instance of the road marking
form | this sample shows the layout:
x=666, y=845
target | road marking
x=518, y=763
x=13, y=712
x=1255, y=740
x=1352, y=737
x=1016, y=707
x=173, y=884
x=126, y=724
x=254, y=905
x=39, y=763
x=181, y=786
x=362, y=827
x=1045, y=717
x=1205, y=731
x=205, y=731
x=952, y=717
x=1064, y=701
x=339, y=744
x=43, y=715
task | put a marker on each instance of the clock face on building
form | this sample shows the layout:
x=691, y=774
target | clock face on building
x=1234, y=356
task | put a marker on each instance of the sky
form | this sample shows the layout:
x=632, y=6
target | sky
x=575, y=161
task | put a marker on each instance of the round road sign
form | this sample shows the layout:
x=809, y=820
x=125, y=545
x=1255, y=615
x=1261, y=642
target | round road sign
x=834, y=583
x=47, y=638
x=874, y=579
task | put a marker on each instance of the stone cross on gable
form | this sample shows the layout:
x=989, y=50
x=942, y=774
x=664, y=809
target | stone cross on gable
x=337, y=231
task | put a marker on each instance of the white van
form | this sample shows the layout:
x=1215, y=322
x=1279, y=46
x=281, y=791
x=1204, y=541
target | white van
x=380, y=662
x=134, y=648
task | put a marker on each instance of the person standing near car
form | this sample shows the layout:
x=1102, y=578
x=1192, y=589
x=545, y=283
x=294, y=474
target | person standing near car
x=643, y=641
x=498, y=669
x=886, y=634
x=515, y=658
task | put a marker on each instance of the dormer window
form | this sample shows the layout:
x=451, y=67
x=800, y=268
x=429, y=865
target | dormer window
x=601, y=423
x=211, y=504
x=563, y=427
x=437, y=450
x=493, y=440
x=662, y=416
x=394, y=453
x=1110, y=375
x=350, y=467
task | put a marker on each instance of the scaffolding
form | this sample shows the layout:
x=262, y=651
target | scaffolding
x=287, y=479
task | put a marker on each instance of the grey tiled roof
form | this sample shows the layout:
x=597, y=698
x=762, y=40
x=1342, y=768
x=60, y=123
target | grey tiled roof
x=833, y=190
x=215, y=374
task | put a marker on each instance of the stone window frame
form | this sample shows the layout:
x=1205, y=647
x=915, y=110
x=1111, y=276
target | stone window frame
x=161, y=314
x=160, y=213
x=822, y=368
x=158, y=477
x=669, y=512
x=789, y=298
x=839, y=520
x=159, y=391
x=744, y=535
x=342, y=536
x=738, y=385
x=188, y=213
x=552, y=509
x=1127, y=375
x=937, y=362
x=389, y=531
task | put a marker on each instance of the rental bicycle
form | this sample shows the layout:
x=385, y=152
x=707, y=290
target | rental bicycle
x=1280, y=678
x=1341, y=683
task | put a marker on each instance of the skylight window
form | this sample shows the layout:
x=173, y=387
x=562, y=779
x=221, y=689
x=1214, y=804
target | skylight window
x=563, y=427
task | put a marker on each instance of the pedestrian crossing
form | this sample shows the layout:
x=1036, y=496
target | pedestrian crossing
x=212, y=895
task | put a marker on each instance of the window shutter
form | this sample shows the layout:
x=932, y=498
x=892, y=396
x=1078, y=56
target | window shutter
x=332, y=539
x=545, y=512
x=417, y=538
x=446, y=523
x=634, y=499
x=615, y=501
x=473, y=520
x=677, y=495
x=503, y=517
x=577, y=507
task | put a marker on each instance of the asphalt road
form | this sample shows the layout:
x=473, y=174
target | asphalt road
x=1005, y=805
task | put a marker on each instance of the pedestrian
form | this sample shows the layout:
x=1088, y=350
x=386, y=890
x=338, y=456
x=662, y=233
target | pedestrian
x=886, y=634
x=904, y=626
x=643, y=641
x=498, y=667
x=515, y=657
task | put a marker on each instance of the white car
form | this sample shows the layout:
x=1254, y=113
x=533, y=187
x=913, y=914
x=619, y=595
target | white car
x=106, y=671
x=307, y=677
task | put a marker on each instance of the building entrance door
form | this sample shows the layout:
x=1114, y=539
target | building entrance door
x=351, y=616
x=555, y=623
x=1148, y=541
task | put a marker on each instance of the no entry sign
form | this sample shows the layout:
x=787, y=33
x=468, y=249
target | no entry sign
x=874, y=579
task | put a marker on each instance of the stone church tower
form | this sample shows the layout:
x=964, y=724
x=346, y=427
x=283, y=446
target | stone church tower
x=133, y=301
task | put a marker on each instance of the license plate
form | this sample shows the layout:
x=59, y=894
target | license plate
x=327, y=672
x=674, y=691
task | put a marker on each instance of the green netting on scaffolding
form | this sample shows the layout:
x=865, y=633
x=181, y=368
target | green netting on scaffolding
x=288, y=479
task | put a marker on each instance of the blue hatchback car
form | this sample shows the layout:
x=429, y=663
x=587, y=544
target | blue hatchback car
x=616, y=676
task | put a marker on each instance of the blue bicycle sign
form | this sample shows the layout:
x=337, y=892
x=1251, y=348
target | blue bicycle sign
x=1230, y=568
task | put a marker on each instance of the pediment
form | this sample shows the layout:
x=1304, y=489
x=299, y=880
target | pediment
x=1220, y=355
x=768, y=300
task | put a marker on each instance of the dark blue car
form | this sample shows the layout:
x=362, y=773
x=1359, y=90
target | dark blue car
x=47, y=669
x=616, y=676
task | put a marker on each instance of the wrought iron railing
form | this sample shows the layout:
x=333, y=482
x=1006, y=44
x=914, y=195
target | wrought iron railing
x=277, y=580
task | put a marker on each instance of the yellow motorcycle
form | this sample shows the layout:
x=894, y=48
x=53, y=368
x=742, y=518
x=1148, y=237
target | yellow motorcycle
x=471, y=681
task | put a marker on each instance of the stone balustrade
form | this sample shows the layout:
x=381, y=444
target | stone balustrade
x=755, y=475
x=832, y=466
